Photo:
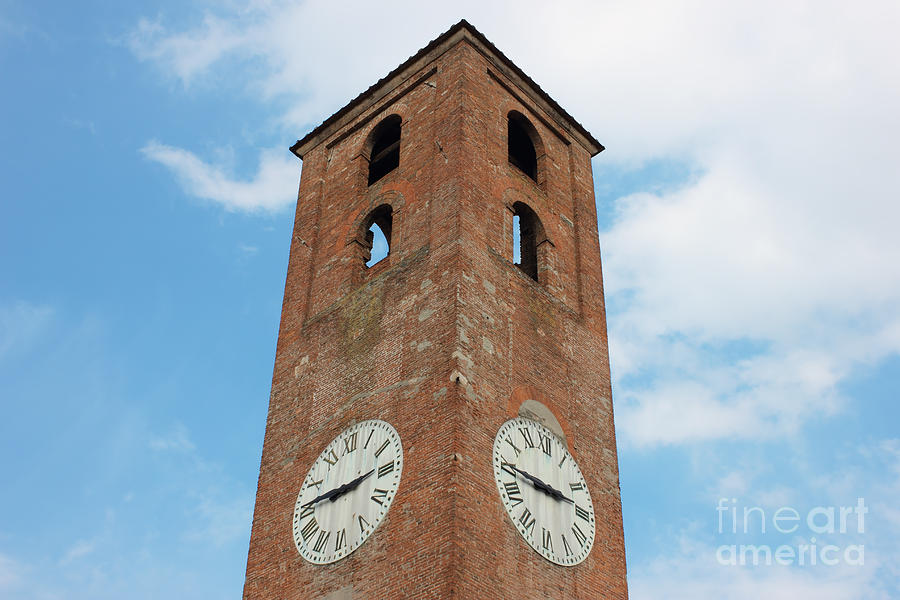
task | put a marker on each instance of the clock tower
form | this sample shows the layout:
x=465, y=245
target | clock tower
x=440, y=422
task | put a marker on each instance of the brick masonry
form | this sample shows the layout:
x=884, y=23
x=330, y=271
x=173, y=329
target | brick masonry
x=445, y=338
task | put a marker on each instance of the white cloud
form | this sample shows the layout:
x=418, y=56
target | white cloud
x=221, y=521
x=782, y=246
x=86, y=125
x=185, y=55
x=316, y=53
x=733, y=483
x=271, y=189
x=766, y=397
x=805, y=278
x=10, y=572
x=685, y=564
x=217, y=510
x=176, y=440
x=691, y=571
x=79, y=549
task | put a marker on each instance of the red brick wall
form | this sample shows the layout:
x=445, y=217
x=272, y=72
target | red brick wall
x=434, y=340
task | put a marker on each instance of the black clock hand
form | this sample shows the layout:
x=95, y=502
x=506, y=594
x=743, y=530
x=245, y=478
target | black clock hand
x=534, y=480
x=546, y=488
x=560, y=496
x=347, y=487
x=320, y=497
x=335, y=493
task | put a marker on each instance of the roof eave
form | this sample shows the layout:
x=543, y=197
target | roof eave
x=310, y=140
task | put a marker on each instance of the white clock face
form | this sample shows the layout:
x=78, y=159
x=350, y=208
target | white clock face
x=348, y=491
x=543, y=491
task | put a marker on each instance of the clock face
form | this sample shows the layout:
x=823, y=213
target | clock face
x=543, y=491
x=348, y=491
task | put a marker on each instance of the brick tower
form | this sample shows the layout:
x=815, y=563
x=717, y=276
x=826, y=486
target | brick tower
x=478, y=344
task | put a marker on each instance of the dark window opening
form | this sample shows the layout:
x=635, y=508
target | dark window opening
x=385, y=155
x=378, y=235
x=527, y=234
x=522, y=154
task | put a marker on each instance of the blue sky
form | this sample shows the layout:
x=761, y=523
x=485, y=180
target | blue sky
x=747, y=203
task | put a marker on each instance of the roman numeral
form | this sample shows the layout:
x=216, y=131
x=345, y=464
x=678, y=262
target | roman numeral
x=321, y=540
x=576, y=487
x=318, y=484
x=307, y=532
x=385, y=469
x=529, y=441
x=379, y=496
x=331, y=458
x=562, y=461
x=362, y=520
x=369, y=437
x=514, y=447
x=547, y=542
x=340, y=540
x=306, y=511
x=508, y=467
x=545, y=444
x=580, y=512
x=382, y=448
x=513, y=492
x=527, y=520
x=579, y=535
x=350, y=443
x=566, y=547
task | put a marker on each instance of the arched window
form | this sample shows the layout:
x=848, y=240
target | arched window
x=522, y=153
x=385, y=144
x=377, y=234
x=528, y=233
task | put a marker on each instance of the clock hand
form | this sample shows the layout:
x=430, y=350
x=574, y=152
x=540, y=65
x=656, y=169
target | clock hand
x=327, y=494
x=544, y=487
x=320, y=497
x=535, y=481
x=347, y=487
x=335, y=493
x=560, y=496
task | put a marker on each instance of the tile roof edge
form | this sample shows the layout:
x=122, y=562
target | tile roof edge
x=433, y=44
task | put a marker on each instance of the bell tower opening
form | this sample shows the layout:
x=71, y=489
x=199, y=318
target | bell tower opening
x=385, y=143
x=377, y=234
x=520, y=145
x=528, y=233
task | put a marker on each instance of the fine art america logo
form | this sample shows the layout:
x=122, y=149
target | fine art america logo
x=808, y=538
